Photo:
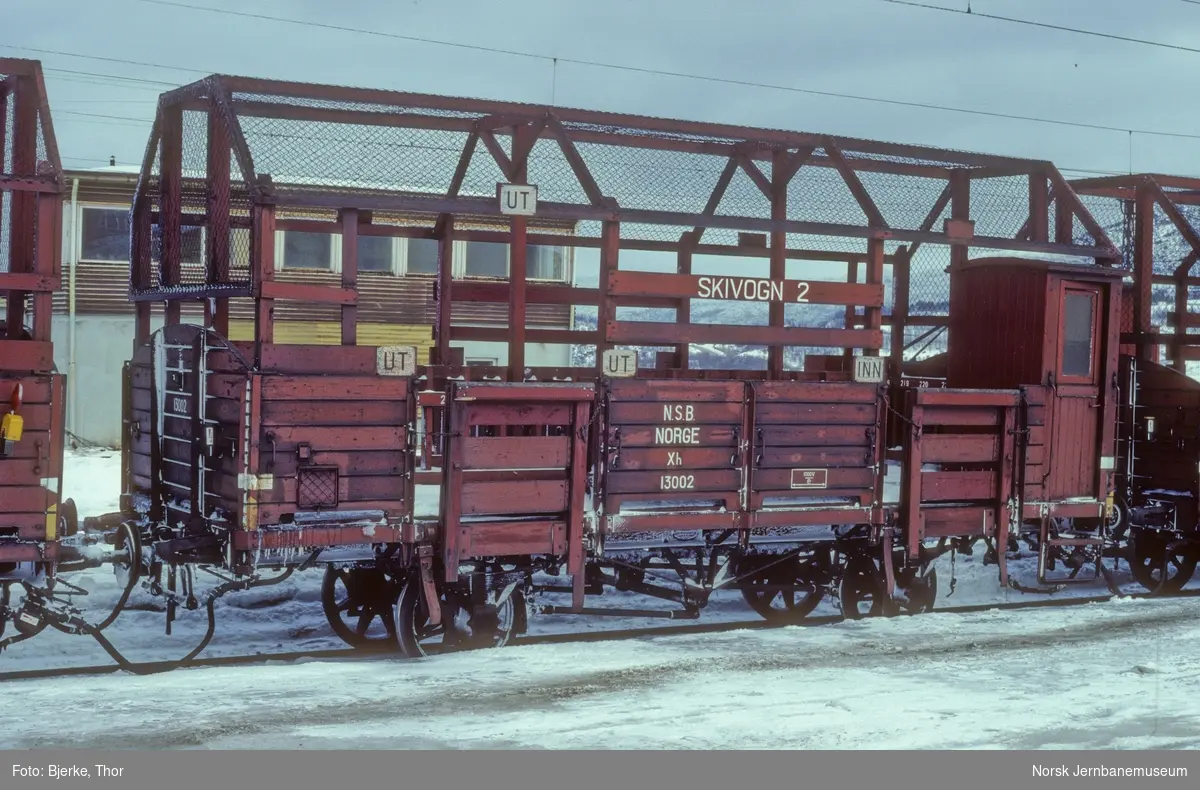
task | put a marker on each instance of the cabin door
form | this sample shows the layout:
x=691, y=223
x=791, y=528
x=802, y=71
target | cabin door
x=1077, y=398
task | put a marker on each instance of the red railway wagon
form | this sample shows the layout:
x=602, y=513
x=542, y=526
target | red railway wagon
x=31, y=438
x=1158, y=464
x=443, y=496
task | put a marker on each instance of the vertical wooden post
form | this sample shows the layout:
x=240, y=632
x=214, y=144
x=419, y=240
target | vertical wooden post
x=263, y=264
x=1039, y=208
x=444, y=298
x=901, y=263
x=960, y=208
x=217, y=238
x=523, y=141
x=874, y=315
x=171, y=204
x=1143, y=268
x=349, y=219
x=140, y=267
x=851, y=311
x=683, y=313
x=779, y=186
x=47, y=263
x=610, y=248
x=1064, y=221
x=23, y=205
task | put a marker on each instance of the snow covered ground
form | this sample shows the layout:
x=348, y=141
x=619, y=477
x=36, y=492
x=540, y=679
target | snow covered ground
x=1104, y=676
x=1113, y=675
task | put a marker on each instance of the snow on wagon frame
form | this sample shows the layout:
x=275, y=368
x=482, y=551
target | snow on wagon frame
x=244, y=455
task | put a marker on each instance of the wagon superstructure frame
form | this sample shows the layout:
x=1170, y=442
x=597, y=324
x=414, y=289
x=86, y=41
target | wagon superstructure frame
x=243, y=158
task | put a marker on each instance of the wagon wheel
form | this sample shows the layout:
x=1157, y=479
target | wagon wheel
x=780, y=594
x=127, y=568
x=68, y=519
x=862, y=590
x=458, y=629
x=920, y=586
x=1158, y=566
x=360, y=605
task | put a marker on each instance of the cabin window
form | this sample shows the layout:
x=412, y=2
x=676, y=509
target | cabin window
x=104, y=235
x=302, y=250
x=376, y=253
x=422, y=256
x=1079, y=320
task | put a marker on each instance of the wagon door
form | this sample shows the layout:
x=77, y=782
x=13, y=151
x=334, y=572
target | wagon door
x=1077, y=402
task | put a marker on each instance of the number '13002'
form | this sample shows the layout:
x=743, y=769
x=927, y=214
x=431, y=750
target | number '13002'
x=677, y=482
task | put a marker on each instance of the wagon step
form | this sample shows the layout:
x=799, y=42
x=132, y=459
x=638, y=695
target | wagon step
x=1075, y=562
x=672, y=614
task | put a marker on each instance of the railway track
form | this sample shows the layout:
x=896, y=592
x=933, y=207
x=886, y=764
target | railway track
x=358, y=654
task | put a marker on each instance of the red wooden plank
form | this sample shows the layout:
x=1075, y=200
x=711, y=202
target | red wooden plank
x=523, y=392
x=638, y=459
x=808, y=516
x=686, y=413
x=334, y=439
x=814, y=457
x=508, y=538
x=675, y=390
x=27, y=553
x=671, y=483
x=22, y=355
x=334, y=388
x=34, y=390
x=821, y=413
x=961, y=449
x=516, y=452
x=549, y=414
x=959, y=486
x=676, y=436
x=535, y=293
x=961, y=417
x=24, y=499
x=520, y=497
x=664, y=334
x=816, y=392
x=30, y=282
x=349, y=413
x=970, y=398
x=817, y=435
x=836, y=479
x=299, y=292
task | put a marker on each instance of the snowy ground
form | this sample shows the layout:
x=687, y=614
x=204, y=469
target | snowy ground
x=1104, y=676
x=1114, y=675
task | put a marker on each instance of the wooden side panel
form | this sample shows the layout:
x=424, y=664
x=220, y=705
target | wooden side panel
x=329, y=453
x=813, y=443
x=997, y=318
x=672, y=441
x=24, y=499
x=1166, y=434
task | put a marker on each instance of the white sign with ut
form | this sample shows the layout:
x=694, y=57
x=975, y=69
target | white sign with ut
x=620, y=362
x=868, y=369
x=519, y=199
x=396, y=360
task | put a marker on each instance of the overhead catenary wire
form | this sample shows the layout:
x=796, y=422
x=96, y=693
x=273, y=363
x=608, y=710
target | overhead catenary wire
x=1033, y=23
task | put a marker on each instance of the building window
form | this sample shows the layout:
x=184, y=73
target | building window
x=104, y=235
x=486, y=259
x=302, y=250
x=376, y=254
x=545, y=263
x=480, y=362
x=422, y=256
x=192, y=239
x=1079, y=317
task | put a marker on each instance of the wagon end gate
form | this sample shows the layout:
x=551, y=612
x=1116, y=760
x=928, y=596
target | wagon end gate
x=516, y=474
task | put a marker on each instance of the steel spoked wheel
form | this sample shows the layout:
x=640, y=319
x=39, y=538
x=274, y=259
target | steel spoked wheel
x=862, y=590
x=778, y=594
x=360, y=605
x=461, y=628
x=920, y=587
x=1159, y=566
